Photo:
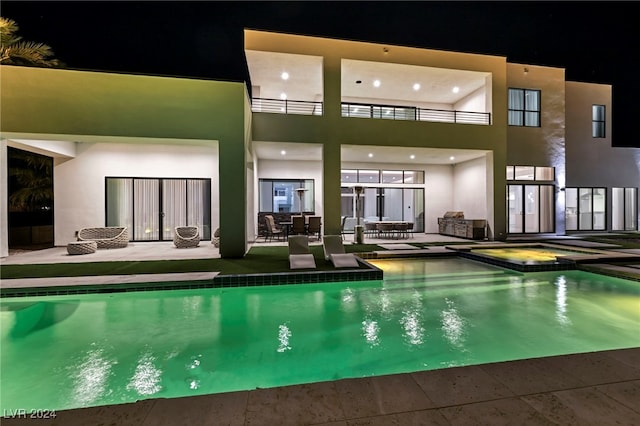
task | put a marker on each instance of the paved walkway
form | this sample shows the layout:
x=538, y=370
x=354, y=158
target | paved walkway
x=599, y=388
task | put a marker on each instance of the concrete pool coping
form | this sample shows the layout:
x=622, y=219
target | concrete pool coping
x=594, y=260
x=588, y=388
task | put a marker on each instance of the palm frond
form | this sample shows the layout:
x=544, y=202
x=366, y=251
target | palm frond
x=14, y=51
x=8, y=28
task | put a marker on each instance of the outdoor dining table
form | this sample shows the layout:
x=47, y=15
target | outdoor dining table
x=391, y=228
x=287, y=227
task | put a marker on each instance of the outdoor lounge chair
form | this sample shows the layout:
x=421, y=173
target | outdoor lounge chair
x=334, y=252
x=299, y=255
x=106, y=237
x=186, y=236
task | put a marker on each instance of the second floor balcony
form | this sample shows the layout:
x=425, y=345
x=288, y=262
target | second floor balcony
x=362, y=110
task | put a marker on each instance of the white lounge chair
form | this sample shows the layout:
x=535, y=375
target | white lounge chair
x=334, y=252
x=299, y=255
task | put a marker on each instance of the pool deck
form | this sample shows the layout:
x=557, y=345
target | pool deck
x=598, y=388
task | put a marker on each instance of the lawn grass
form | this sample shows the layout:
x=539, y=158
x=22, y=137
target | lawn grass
x=258, y=260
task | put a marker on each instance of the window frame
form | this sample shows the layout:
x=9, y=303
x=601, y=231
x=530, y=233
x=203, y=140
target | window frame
x=524, y=112
x=598, y=126
x=301, y=184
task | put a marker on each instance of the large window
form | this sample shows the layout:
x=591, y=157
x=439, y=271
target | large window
x=624, y=214
x=151, y=208
x=285, y=195
x=585, y=209
x=598, y=121
x=524, y=107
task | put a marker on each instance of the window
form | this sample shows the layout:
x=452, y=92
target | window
x=524, y=107
x=285, y=195
x=388, y=176
x=530, y=173
x=598, y=121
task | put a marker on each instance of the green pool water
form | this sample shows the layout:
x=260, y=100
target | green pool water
x=76, y=351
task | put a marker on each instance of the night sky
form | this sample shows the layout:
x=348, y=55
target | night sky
x=594, y=41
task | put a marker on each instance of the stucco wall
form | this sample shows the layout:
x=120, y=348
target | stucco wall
x=593, y=162
x=79, y=184
x=470, y=188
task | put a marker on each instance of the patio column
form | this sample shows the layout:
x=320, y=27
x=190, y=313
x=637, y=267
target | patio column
x=331, y=188
x=4, y=194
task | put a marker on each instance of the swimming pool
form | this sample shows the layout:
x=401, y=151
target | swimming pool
x=65, y=352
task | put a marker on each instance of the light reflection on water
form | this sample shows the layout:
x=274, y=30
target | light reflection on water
x=180, y=343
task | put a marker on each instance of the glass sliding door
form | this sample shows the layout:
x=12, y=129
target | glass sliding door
x=146, y=209
x=516, y=214
x=599, y=209
x=585, y=209
x=531, y=208
x=378, y=204
x=630, y=209
x=152, y=208
x=547, y=208
x=198, y=202
x=392, y=204
x=624, y=213
x=119, y=197
x=173, y=213
x=585, y=218
x=413, y=208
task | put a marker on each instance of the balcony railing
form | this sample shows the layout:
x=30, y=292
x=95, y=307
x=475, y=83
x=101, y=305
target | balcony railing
x=286, y=106
x=389, y=112
x=392, y=112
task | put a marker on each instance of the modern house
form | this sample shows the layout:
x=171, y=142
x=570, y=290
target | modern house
x=422, y=132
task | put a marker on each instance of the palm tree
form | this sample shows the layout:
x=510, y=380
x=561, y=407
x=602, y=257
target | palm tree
x=14, y=51
x=30, y=181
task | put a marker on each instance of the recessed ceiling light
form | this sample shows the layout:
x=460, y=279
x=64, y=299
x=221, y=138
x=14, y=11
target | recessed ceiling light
x=283, y=96
x=452, y=158
x=412, y=157
x=376, y=83
x=285, y=75
x=416, y=86
x=283, y=152
x=456, y=89
x=370, y=155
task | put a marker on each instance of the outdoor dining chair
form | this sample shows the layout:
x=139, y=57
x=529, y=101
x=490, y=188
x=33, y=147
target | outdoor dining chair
x=314, y=226
x=298, y=226
x=272, y=229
